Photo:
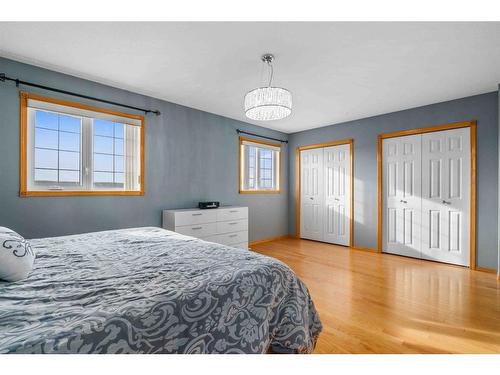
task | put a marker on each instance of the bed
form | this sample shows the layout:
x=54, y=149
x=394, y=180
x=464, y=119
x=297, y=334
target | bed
x=149, y=290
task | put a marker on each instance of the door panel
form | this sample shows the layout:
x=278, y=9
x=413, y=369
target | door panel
x=311, y=194
x=337, y=171
x=446, y=196
x=401, y=171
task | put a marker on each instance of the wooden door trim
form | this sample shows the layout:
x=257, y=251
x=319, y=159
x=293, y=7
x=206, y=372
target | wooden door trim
x=349, y=142
x=456, y=125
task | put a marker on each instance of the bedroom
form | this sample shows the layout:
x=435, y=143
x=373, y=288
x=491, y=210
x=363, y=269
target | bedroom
x=355, y=184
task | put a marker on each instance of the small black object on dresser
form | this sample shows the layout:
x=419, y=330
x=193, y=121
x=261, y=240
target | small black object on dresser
x=204, y=205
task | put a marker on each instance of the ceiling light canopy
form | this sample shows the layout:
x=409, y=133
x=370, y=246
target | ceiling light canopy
x=268, y=103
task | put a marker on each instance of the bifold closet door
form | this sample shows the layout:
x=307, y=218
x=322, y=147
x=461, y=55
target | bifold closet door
x=446, y=167
x=337, y=181
x=325, y=194
x=311, y=194
x=401, y=189
x=426, y=196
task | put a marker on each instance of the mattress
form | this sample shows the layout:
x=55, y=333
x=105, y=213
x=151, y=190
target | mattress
x=149, y=290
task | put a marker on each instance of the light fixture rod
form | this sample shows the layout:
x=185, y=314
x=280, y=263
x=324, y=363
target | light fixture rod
x=268, y=58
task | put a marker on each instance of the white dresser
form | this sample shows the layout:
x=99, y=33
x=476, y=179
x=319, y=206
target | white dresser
x=227, y=225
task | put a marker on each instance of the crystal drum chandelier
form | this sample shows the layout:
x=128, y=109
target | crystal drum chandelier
x=268, y=103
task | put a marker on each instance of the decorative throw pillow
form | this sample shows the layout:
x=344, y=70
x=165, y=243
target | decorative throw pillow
x=16, y=256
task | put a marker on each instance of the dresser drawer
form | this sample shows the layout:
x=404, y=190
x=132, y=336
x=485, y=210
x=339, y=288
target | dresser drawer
x=228, y=214
x=232, y=226
x=229, y=238
x=194, y=217
x=198, y=230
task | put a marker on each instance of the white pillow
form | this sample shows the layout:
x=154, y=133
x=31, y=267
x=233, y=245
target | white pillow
x=16, y=256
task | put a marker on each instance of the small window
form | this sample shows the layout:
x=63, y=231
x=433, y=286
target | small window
x=260, y=166
x=73, y=149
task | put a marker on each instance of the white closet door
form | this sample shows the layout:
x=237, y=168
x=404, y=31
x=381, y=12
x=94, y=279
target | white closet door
x=401, y=173
x=446, y=196
x=311, y=194
x=337, y=172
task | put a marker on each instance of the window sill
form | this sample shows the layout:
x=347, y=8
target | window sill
x=79, y=193
x=260, y=191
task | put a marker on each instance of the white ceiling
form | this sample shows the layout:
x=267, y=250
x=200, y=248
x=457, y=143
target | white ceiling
x=336, y=71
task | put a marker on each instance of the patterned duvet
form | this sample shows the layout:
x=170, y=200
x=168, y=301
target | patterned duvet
x=149, y=290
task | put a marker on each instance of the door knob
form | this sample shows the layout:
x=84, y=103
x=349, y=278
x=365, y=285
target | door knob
x=446, y=202
x=311, y=198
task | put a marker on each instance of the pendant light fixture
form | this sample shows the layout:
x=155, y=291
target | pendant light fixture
x=268, y=103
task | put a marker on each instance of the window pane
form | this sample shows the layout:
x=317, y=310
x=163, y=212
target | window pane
x=46, y=175
x=259, y=170
x=118, y=146
x=119, y=163
x=46, y=120
x=45, y=158
x=114, y=162
x=69, y=160
x=103, y=163
x=60, y=150
x=69, y=176
x=118, y=130
x=56, y=149
x=46, y=138
x=69, y=141
x=265, y=174
x=69, y=123
x=103, y=177
x=265, y=153
x=103, y=144
x=119, y=178
x=265, y=168
x=103, y=127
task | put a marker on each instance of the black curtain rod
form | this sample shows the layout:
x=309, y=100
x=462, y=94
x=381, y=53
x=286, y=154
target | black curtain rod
x=261, y=136
x=18, y=82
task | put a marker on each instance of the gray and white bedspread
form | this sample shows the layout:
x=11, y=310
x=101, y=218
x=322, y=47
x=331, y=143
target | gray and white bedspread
x=149, y=290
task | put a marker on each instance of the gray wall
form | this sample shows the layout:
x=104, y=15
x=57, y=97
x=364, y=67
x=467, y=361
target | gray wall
x=190, y=156
x=483, y=108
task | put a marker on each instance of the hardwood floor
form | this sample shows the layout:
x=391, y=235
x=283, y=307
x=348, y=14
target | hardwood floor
x=380, y=303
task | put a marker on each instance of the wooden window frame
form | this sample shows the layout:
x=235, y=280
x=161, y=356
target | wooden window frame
x=24, y=192
x=240, y=169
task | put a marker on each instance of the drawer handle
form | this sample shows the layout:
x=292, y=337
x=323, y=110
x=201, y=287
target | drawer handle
x=196, y=228
x=233, y=223
x=233, y=235
x=196, y=214
x=233, y=211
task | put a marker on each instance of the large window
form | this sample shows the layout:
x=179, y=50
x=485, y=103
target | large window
x=73, y=149
x=259, y=166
